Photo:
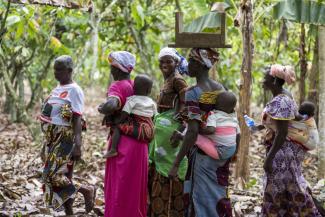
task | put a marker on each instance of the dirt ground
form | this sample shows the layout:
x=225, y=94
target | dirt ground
x=20, y=188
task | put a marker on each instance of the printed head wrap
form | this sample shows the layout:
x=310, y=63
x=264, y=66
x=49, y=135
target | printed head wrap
x=122, y=60
x=182, y=66
x=286, y=73
x=206, y=56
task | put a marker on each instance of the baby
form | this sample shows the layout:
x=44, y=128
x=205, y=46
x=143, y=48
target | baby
x=222, y=129
x=219, y=138
x=304, y=129
x=306, y=110
x=136, y=116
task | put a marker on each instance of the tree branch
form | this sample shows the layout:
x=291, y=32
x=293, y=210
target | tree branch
x=3, y=29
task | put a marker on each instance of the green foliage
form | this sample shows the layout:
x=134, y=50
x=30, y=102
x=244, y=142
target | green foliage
x=37, y=34
x=301, y=11
x=211, y=20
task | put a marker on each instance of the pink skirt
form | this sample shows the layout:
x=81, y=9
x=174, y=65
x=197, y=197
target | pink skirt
x=126, y=179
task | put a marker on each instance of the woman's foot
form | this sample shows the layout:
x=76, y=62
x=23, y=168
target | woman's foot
x=90, y=196
x=111, y=153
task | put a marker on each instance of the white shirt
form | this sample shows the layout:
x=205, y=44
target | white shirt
x=140, y=105
x=70, y=94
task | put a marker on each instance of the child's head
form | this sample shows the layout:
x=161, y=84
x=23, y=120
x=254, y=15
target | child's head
x=307, y=108
x=226, y=102
x=142, y=85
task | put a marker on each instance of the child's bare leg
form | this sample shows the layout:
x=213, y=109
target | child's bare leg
x=68, y=207
x=89, y=194
x=115, y=140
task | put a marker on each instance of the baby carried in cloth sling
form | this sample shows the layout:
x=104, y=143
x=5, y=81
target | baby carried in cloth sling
x=303, y=132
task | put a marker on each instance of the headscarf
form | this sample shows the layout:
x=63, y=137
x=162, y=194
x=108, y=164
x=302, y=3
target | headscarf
x=206, y=56
x=182, y=66
x=286, y=73
x=122, y=60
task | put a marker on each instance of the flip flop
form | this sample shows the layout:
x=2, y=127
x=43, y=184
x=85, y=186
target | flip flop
x=89, y=205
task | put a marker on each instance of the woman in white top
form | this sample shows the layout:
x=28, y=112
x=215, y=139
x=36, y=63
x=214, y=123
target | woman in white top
x=61, y=125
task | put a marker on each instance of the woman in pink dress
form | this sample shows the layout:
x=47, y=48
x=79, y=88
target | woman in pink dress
x=126, y=174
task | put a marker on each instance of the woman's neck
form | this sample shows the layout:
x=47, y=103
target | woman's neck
x=121, y=78
x=66, y=82
x=277, y=91
x=169, y=76
x=202, y=77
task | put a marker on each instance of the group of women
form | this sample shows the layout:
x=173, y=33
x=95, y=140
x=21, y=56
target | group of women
x=164, y=178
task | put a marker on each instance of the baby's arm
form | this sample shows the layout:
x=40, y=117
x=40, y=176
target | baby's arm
x=122, y=117
x=207, y=130
x=210, y=127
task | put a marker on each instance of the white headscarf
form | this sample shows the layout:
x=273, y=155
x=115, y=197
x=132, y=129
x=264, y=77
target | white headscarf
x=182, y=63
x=167, y=51
x=123, y=60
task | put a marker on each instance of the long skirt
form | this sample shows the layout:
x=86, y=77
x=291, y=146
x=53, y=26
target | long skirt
x=285, y=189
x=126, y=179
x=208, y=186
x=166, y=196
x=57, y=173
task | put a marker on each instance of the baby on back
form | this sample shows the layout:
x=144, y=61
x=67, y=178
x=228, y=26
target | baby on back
x=220, y=137
x=304, y=129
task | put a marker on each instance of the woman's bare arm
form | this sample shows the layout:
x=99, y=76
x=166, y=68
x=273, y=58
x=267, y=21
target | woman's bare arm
x=110, y=106
x=188, y=143
x=280, y=136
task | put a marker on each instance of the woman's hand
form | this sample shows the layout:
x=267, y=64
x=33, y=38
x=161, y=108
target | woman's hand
x=176, y=138
x=110, y=106
x=172, y=174
x=100, y=108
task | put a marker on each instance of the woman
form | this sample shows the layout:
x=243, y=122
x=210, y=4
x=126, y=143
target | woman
x=208, y=178
x=285, y=192
x=61, y=125
x=126, y=174
x=165, y=195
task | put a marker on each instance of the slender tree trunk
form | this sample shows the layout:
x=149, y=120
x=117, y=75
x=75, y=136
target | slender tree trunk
x=313, y=80
x=95, y=20
x=321, y=126
x=303, y=64
x=21, y=97
x=242, y=167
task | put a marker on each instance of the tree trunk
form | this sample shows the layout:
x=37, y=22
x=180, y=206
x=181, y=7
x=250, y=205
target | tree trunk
x=303, y=64
x=321, y=126
x=21, y=97
x=242, y=167
x=94, y=22
x=313, y=80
